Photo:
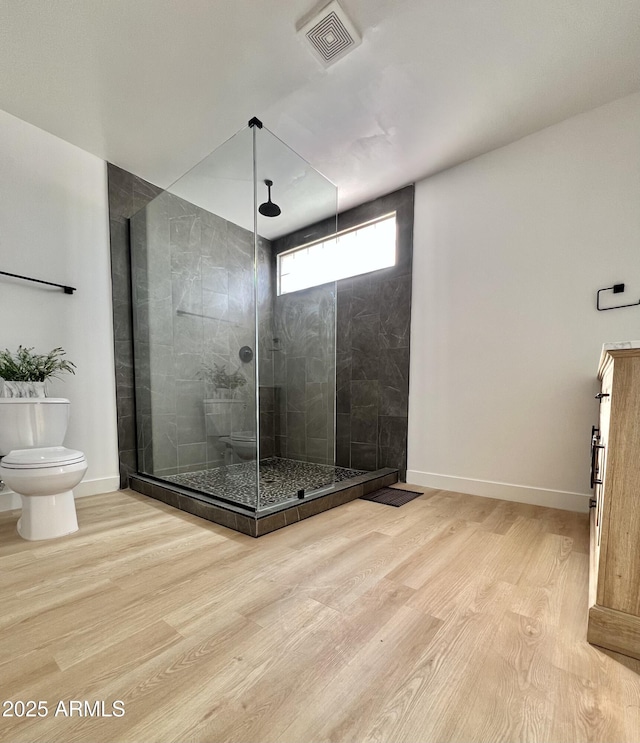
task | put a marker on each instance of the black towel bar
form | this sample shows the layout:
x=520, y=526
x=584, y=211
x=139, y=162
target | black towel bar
x=617, y=289
x=65, y=289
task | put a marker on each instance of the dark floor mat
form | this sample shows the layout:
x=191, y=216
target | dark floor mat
x=391, y=496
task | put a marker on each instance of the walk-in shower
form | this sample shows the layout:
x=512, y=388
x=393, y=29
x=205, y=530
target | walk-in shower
x=235, y=384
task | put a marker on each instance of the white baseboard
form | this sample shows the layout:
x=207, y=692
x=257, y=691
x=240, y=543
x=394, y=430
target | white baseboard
x=97, y=487
x=10, y=501
x=502, y=491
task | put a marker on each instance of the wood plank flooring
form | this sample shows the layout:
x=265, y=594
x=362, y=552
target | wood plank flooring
x=453, y=618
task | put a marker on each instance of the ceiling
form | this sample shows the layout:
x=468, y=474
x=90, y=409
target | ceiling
x=154, y=85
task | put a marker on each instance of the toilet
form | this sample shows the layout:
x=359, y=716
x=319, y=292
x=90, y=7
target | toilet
x=242, y=443
x=224, y=415
x=36, y=466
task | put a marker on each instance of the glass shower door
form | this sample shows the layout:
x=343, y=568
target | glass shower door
x=235, y=381
x=296, y=338
x=193, y=257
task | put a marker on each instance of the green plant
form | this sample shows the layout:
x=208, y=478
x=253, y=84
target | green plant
x=218, y=376
x=26, y=366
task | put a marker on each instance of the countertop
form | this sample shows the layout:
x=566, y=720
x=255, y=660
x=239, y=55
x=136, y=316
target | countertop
x=617, y=346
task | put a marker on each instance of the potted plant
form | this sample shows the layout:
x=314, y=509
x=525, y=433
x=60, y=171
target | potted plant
x=24, y=373
x=225, y=383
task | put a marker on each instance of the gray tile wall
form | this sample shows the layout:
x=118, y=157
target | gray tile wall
x=127, y=194
x=373, y=320
x=194, y=305
x=186, y=259
x=304, y=364
x=372, y=355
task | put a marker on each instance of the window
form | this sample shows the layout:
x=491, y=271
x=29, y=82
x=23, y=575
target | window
x=368, y=247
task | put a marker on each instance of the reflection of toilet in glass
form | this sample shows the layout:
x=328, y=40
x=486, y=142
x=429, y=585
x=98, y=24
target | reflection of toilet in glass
x=242, y=443
x=222, y=418
x=37, y=467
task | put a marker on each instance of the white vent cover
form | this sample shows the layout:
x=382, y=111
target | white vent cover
x=330, y=34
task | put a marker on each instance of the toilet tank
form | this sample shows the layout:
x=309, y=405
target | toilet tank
x=220, y=416
x=30, y=422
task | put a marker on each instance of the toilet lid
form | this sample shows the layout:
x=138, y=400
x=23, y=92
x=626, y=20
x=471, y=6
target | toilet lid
x=50, y=456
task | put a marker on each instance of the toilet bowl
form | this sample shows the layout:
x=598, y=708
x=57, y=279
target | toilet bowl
x=37, y=467
x=242, y=443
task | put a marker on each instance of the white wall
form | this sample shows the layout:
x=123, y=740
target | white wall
x=54, y=226
x=509, y=250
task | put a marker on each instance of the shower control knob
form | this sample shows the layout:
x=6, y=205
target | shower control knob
x=246, y=354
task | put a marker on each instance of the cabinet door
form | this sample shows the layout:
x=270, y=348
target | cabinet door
x=619, y=575
x=600, y=476
x=601, y=455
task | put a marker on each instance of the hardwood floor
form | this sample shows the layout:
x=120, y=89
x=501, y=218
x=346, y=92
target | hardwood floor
x=453, y=618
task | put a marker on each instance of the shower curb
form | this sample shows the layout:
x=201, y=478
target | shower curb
x=259, y=525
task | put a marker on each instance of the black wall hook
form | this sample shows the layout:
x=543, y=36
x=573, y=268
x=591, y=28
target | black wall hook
x=617, y=289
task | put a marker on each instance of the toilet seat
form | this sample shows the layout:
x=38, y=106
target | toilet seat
x=244, y=436
x=50, y=456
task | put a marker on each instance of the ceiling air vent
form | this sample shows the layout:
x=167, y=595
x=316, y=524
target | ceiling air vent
x=330, y=34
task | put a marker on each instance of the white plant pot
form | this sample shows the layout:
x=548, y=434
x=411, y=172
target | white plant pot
x=224, y=393
x=22, y=389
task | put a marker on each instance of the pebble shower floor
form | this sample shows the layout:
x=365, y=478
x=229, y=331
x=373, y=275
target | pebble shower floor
x=280, y=480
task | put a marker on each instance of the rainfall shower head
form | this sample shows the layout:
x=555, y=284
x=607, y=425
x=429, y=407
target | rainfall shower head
x=269, y=209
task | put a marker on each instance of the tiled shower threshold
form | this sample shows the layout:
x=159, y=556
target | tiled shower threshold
x=281, y=480
x=271, y=518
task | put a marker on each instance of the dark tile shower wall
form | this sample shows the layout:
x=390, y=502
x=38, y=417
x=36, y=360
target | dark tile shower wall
x=127, y=194
x=304, y=373
x=373, y=318
x=199, y=276
x=372, y=360
x=194, y=306
x=266, y=350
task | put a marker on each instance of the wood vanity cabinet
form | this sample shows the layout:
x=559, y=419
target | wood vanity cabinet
x=614, y=575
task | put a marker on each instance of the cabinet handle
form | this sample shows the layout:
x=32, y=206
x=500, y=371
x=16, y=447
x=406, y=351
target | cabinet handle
x=600, y=395
x=594, y=462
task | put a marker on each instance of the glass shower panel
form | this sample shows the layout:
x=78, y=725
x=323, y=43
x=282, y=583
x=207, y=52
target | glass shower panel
x=193, y=274
x=296, y=331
